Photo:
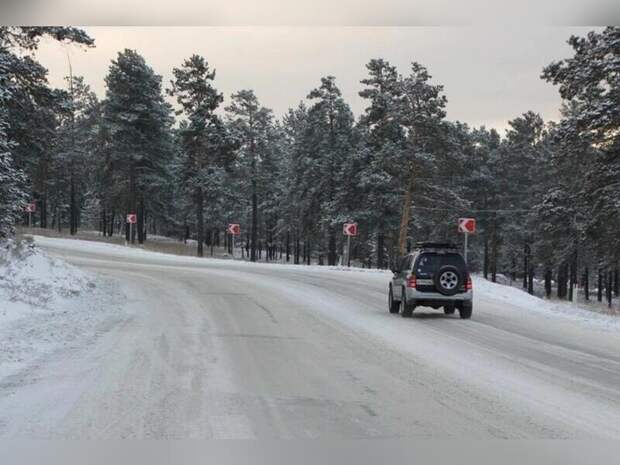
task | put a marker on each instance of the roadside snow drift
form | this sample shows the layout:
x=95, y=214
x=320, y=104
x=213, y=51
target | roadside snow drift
x=44, y=303
x=538, y=307
x=29, y=276
x=506, y=298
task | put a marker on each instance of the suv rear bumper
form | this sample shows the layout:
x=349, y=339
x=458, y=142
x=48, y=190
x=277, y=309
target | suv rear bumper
x=414, y=294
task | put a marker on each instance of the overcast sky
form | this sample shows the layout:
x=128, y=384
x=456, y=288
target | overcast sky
x=490, y=74
x=312, y=12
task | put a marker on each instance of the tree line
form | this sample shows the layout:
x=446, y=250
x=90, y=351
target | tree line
x=545, y=194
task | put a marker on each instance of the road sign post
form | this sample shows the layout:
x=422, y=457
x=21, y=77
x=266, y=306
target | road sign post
x=465, y=247
x=349, y=229
x=348, y=250
x=235, y=230
x=466, y=226
x=132, y=219
x=30, y=209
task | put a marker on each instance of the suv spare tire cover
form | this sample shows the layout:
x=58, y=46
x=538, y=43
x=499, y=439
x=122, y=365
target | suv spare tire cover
x=448, y=280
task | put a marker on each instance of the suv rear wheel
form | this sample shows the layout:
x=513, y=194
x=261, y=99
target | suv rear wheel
x=465, y=310
x=406, y=308
x=393, y=305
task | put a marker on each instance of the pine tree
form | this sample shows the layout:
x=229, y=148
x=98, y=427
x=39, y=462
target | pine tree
x=138, y=122
x=421, y=111
x=294, y=200
x=585, y=161
x=76, y=149
x=380, y=157
x=205, y=143
x=29, y=106
x=524, y=154
x=12, y=180
x=589, y=80
x=330, y=139
x=482, y=190
x=251, y=123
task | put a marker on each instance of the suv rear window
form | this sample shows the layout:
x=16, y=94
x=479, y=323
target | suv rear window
x=429, y=263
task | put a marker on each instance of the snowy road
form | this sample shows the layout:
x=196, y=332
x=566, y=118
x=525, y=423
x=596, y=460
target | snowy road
x=216, y=349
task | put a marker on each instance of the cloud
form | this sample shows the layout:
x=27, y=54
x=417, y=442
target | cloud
x=490, y=74
x=313, y=12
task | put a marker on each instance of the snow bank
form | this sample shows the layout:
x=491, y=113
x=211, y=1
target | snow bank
x=44, y=303
x=29, y=276
x=535, y=305
x=483, y=289
x=135, y=251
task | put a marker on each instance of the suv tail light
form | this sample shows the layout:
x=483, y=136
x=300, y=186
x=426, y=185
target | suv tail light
x=469, y=286
x=411, y=282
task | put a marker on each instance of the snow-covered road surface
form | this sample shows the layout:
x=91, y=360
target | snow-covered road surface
x=220, y=349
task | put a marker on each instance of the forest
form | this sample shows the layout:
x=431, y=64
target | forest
x=546, y=194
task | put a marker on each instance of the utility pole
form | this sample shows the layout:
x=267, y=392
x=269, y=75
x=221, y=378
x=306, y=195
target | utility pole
x=465, y=247
x=72, y=193
x=348, y=251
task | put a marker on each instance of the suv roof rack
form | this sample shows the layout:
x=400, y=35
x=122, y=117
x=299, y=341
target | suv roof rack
x=435, y=245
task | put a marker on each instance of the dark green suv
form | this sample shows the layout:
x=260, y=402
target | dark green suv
x=432, y=275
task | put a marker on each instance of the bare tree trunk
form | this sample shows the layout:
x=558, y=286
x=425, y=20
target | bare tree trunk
x=548, y=282
x=405, y=216
x=72, y=206
x=59, y=218
x=380, y=257
x=526, y=266
x=254, y=231
x=132, y=201
x=44, y=209
x=494, y=250
x=111, y=229
x=485, y=265
x=573, y=274
x=141, y=219
x=331, y=257
x=571, y=281
x=303, y=256
x=562, y=281
x=212, y=236
x=200, y=221
x=72, y=195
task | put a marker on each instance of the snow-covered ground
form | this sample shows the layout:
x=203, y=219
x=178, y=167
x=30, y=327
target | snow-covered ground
x=483, y=288
x=45, y=303
x=545, y=308
x=208, y=348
